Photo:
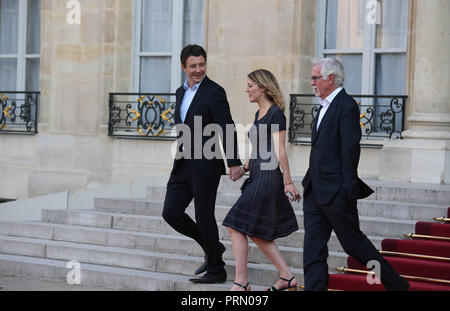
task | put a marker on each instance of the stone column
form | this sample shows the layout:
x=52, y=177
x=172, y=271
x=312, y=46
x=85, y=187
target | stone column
x=424, y=154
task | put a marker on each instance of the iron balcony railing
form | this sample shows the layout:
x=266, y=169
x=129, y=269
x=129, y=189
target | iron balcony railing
x=142, y=115
x=382, y=117
x=19, y=112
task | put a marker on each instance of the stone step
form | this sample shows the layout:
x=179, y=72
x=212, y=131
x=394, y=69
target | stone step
x=15, y=283
x=384, y=190
x=260, y=273
x=137, y=239
x=163, y=243
x=371, y=226
x=126, y=244
x=411, y=192
x=372, y=208
x=375, y=228
x=104, y=276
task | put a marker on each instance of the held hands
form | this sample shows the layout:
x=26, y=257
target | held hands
x=292, y=192
x=236, y=172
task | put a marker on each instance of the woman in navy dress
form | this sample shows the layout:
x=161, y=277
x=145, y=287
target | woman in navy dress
x=263, y=212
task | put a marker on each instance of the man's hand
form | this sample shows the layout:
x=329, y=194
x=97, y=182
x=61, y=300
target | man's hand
x=236, y=172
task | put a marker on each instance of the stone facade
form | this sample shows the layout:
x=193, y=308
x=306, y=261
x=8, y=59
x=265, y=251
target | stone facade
x=424, y=155
x=80, y=64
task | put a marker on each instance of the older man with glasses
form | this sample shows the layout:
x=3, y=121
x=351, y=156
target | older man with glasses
x=331, y=184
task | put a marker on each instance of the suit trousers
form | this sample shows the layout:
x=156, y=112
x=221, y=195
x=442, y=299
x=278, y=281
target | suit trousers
x=182, y=187
x=342, y=217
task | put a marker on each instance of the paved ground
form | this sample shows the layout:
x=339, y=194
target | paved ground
x=11, y=283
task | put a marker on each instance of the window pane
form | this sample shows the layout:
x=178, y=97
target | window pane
x=8, y=72
x=156, y=26
x=155, y=74
x=392, y=32
x=32, y=77
x=9, y=16
x=344, y=24
x=390, y=80
x=353, y=71
x=34, y=27
x=390, y=74
x=192, y=25
x=193, y=22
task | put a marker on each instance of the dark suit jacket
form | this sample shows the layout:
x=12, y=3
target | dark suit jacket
x=335, y=151
x=210, y=103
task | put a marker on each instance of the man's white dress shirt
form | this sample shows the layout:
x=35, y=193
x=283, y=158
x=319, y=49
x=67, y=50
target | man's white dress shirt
x=325, y=103
x=189, y=94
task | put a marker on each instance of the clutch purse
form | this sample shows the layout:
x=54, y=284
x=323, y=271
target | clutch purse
x=246, y=182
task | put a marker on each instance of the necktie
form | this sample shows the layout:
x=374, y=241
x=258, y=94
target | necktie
x=316, y=120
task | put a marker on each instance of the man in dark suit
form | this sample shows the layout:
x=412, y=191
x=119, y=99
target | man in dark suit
x=200, y=102
x=331, y=184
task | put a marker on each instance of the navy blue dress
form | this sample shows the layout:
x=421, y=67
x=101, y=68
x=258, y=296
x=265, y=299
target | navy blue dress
x=263, y=210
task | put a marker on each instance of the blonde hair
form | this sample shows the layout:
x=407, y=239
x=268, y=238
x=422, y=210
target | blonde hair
x=266, y=80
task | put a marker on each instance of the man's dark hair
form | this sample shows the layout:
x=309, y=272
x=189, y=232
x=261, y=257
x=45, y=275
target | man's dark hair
x=191, y=50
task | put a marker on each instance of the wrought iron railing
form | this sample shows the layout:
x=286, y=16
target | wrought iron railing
x=382, y=116
x=19, y=112
x=142, y=115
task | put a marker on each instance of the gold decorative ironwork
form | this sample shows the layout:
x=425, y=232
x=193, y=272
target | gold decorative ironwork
x=6, y=111
x=382, y=116
x=141, y=99
x=160, y=132
x=148, y=115
x=3, y=120
x=361, y=116
x=19, y=114
x=138, y=115
x=164, y=114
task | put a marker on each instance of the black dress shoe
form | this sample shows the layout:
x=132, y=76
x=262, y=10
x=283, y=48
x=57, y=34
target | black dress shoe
x=404, y=286
x=209, y=278
x=204, y=265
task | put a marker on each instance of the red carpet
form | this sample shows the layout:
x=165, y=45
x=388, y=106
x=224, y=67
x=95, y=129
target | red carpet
x=432, y=228
x=358, y=282
x=412, y=266
x=408, y=261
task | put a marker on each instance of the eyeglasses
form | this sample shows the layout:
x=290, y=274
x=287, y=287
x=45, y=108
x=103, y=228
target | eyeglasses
x=313, y=78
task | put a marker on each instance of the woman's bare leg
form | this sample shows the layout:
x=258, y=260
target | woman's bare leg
x=240, y=250
x=270, y=249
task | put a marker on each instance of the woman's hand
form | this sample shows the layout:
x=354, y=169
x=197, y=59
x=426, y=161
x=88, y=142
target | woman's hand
x=290, y=188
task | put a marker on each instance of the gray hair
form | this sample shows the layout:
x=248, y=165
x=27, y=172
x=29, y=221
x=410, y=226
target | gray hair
x=331, y=66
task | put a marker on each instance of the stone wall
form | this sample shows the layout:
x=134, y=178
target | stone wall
x=243, y=36
x=80, y=64
x=424, y=155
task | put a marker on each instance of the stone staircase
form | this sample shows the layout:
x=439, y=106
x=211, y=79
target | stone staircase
x=125, y=244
